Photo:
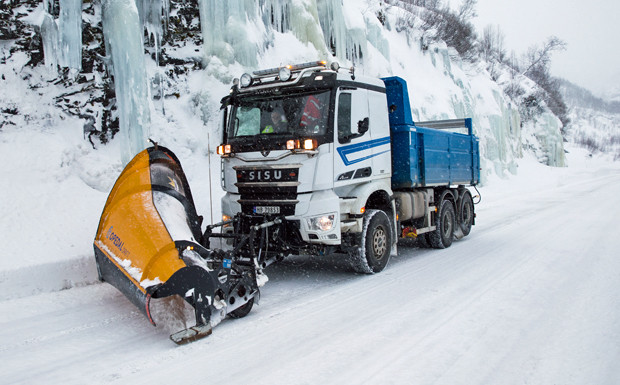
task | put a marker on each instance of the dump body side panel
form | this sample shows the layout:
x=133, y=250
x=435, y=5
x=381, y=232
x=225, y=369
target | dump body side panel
x=428, y=156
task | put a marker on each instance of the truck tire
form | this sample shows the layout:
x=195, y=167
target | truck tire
x=373, y=252
x=466, y=213
x=422, y=241
x=441, y=238
x=243, y=310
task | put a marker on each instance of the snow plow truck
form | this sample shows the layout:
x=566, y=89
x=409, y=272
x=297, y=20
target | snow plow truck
x=315, y=160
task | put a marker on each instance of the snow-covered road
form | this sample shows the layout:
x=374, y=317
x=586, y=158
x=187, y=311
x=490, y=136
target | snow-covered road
x=530, y=297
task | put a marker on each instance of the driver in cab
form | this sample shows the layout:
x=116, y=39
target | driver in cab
x=278, y=123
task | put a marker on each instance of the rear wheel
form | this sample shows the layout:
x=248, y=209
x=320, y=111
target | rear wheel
x=466, y=213
x=422, y=241
x=373, y=252
x=446, y=218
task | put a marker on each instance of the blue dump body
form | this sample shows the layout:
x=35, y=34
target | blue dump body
x=422, y=156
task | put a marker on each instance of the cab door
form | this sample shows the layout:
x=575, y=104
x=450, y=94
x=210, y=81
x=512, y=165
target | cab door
x=353, y=158
x=380, y=135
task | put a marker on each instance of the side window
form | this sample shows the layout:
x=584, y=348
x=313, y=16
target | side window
x=344, y=117
x=353, y=119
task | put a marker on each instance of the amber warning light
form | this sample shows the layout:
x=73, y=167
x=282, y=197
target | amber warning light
x=223, y=149
x=306, y=144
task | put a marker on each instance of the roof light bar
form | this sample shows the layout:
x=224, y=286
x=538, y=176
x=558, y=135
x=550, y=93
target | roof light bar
x=310, y=64
x=292, y=68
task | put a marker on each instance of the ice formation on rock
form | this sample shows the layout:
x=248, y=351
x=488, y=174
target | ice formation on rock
x=123, y=37
x=49, y=37
x=236, y=30
x=154, y=16
x=70, y=33
x=543, y=137
x=244, y=32
x=229, y=30
x=62, y=38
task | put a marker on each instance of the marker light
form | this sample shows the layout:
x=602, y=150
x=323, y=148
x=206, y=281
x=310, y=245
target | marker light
x=226, y=218
x=309, y=144
x=224, y=149
x=246, y=80
x=285, y=73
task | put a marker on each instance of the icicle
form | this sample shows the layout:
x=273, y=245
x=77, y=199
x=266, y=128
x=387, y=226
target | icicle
x=123, y=34
x=70, y=28
x=334, y=27
x=276, y=14
x=62, y=39
x=154, y=16
x=304, y=23
x=49, y=6
x=49, y=36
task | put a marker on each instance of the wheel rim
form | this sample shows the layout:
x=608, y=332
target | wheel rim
x=379, y=243
x=467, y=214
x=447, y=225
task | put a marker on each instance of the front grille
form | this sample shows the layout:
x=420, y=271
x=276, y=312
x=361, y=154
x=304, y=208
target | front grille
x=274, y=185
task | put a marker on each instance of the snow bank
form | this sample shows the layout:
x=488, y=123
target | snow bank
x=47, y=277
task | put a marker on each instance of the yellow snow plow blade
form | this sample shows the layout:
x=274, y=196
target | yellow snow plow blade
x=149, y=245
x=132, y=234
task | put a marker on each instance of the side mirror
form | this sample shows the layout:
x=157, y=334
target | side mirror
x=362, y=126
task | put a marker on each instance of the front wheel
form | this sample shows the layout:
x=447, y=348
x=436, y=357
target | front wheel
x=373, y=252
x=243, y=310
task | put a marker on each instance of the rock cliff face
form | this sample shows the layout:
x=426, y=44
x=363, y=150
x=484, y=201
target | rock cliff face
x=195, y=48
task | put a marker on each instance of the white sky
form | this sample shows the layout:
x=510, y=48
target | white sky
x=590, y=28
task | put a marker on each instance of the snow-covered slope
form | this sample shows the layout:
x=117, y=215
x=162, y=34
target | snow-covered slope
x=595, y=122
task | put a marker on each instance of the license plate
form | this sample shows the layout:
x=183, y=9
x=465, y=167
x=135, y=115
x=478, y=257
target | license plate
x=267, y=210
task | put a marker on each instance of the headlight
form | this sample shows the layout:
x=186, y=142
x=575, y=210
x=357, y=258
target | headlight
x=321, y=222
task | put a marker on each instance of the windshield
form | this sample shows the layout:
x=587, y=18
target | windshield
x=292, y=115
